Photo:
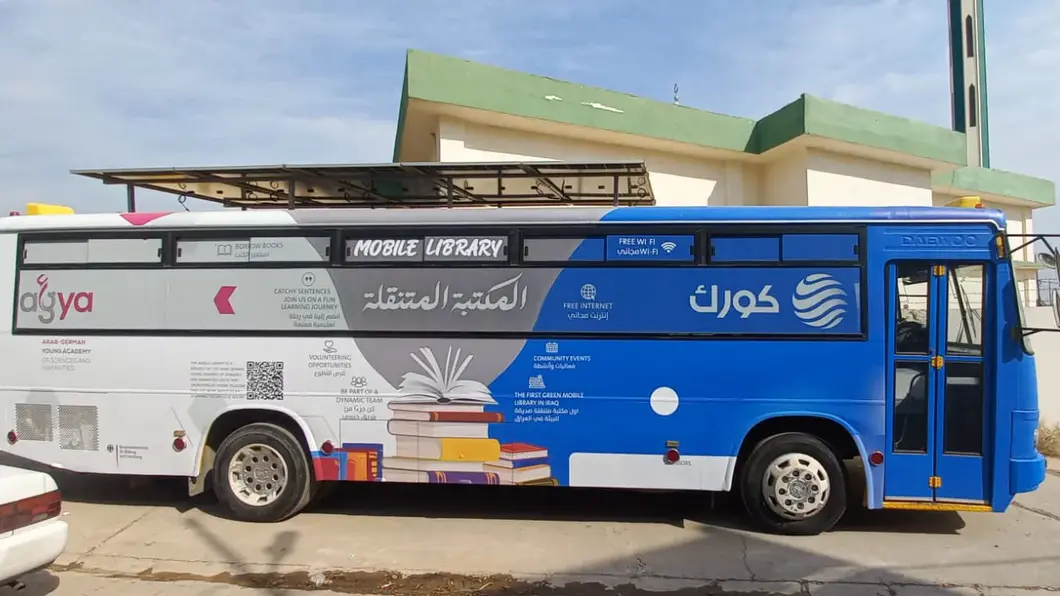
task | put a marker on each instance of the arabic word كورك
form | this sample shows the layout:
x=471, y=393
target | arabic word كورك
x=742, y=301
x=505, y=296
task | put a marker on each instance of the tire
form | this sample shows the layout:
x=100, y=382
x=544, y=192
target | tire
x=279, y=468
x=803, y=514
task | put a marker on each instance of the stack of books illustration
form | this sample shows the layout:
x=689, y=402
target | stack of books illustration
x=441, y=428
x=350, y=461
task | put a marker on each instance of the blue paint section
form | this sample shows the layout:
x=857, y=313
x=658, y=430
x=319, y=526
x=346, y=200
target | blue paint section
x=681, y=300
x=651, y=247
x=570, y=396
x=820, y=247
x=796, y=332
x=879, y=215
x=590, y=249
x=745, y=249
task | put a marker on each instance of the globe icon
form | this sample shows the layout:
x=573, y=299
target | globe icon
x=589, y=292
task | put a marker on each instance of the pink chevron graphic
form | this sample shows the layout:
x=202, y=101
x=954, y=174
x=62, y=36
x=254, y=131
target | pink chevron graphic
x=223, y=300
x=139, y=219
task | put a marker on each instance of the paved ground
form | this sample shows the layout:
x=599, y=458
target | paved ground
x=150, y=541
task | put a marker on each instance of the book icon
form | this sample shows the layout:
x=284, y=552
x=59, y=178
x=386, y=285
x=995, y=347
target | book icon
x=442, y=384
x=442, y=430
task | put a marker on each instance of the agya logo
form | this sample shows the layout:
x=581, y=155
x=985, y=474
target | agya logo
x=45, y=302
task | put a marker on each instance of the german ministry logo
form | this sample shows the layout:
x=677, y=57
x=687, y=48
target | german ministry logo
x=820, y=301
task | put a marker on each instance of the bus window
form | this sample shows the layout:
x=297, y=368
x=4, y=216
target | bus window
x=258, y=249
x=651, y=247
x=820, y=247
x=964, y=321
x=911, y=310
x=124, y=250
x=910, y=407
x=55, y=253
x=556, y=250
x=745, y=249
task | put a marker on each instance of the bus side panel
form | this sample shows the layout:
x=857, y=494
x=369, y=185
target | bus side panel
x=1019, y=467
x=589, y=412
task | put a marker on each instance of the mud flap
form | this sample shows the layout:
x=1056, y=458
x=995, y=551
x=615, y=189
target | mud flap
x=197, y=485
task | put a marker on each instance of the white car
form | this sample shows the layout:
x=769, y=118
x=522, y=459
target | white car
x=32, y=535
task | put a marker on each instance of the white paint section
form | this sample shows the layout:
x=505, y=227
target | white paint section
x=833, y=179
x=133, y=393
x=649, y=471
x=664, y=401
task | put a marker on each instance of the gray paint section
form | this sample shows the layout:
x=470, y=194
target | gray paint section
x=523, y=290
x=443, y=299
x=555, y=250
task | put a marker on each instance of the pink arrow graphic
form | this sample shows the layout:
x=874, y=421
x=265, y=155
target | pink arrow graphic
x=223, y=300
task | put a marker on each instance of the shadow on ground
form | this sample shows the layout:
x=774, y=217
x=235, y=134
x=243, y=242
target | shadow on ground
x=495, y=502
x=721, y=546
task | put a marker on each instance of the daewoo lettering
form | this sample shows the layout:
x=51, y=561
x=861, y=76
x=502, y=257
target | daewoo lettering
x=932, y=241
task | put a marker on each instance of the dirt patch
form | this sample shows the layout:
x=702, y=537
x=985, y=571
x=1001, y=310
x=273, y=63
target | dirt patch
x=430, y=584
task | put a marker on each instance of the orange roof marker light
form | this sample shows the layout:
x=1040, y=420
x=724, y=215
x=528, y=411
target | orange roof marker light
x=46, y=209
x=970, y=202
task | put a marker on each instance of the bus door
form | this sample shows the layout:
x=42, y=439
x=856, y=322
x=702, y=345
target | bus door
x=937, y=400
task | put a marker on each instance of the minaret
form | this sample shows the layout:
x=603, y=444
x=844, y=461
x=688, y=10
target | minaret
x=968, y=78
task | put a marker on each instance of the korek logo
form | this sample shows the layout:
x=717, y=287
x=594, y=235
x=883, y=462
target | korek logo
x=820, y=301
x=49, y=304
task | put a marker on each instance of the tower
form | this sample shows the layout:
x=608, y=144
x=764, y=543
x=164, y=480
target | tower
x=968, y=78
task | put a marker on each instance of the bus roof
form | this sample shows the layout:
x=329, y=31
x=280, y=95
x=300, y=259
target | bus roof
x=507, y=216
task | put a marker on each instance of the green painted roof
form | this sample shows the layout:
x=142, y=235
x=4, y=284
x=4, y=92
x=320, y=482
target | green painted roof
x=447, y=80
x=431, y=77
x=997, y=182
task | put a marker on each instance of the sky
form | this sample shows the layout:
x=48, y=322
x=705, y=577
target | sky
x=128, y=83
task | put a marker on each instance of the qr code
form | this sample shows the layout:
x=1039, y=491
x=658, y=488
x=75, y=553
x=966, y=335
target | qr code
x=265, y=380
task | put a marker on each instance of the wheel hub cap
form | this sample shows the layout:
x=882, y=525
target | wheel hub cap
x=796, y=486
x=257, y=474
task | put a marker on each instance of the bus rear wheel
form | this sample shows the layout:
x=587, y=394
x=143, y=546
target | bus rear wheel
x=261, y=473
x=793, y=484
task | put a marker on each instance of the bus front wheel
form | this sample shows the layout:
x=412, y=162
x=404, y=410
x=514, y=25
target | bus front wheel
x=261, y=473
x=793, y=484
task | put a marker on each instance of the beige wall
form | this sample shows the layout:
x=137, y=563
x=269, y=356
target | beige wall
x=784, y=179
x=675, y=179
x=836, y=179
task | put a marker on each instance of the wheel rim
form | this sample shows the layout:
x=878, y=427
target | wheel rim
x=257, y=475
x=796, y=486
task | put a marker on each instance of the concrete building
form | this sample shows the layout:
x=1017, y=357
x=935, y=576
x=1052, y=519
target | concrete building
x=809, y=152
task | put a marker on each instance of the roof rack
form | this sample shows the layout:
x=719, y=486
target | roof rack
x=400, y=185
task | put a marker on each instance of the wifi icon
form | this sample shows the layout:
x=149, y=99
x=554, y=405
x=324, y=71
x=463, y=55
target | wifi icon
x=668, y=246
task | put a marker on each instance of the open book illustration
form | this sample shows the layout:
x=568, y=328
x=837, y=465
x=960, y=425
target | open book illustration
x=442, y=384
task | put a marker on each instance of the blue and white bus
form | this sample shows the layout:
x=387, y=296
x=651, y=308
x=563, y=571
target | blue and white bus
x=749, y=349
